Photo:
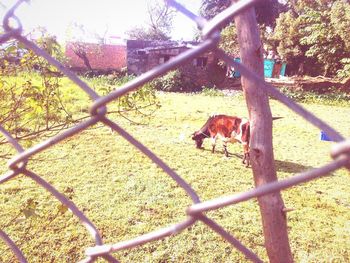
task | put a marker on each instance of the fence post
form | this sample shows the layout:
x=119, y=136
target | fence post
x=261, y=151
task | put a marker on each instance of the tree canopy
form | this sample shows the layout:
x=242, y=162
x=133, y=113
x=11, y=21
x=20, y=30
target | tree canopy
x=310, y=35
x=158, y=25
x=267, y=12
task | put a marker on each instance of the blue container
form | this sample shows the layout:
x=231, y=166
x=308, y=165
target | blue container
x=283, y=69
x=234, y=73
x=268, y=67
x=269, y=64
x=324, y=137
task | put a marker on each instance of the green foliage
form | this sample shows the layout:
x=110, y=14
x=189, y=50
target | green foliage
x=321, y=37
x=313, y=36
x=140, y=33
x=143, y=102
x=211, y=8
x=331, y=96
x=229, y=41
x=266, y=11
x=173, y=81
x=106, y=84
x=340, y=20
x=286, y=37
x=345, y=71
x=34, y=102
x=31, y=105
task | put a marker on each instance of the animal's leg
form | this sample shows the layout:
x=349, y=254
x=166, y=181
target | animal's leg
x=213, y=143
x=225, y=149
x=246, y=157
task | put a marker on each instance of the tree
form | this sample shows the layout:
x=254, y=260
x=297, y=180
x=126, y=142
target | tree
x=140, y=33
x=80, y=49
x=158, y=25
x=229, y=41
x=78, y=35
x=340, y=18
x=32, y=104
x=310, y=35
x=261, y=149
x=266, y=14
x=266, y=11
x=322, y=43
x=286, y=38
x=211, y=8
x=313, y=36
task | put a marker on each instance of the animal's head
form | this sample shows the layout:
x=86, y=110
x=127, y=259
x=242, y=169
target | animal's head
x=198, y=137
x=202, y=133
x=236, y=124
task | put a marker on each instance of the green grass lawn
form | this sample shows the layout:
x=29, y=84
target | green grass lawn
x=126, y=195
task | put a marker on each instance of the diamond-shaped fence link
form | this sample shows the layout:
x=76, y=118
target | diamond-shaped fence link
x=196, y=212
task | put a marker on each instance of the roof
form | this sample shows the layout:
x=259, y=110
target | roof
x=159, y=45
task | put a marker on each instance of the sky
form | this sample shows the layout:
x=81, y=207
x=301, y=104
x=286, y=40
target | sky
x=103, y=17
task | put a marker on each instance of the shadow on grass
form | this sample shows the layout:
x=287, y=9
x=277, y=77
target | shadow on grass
x=281, y=166
x=290, y=167
x=221, y=152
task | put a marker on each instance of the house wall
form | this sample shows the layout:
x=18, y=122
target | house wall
x=101, y=57
x=141, y=55
x=209, y=75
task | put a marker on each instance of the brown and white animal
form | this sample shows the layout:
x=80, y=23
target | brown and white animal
x=228, y=129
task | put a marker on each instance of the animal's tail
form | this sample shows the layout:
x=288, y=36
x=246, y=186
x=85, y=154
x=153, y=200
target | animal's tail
x=276, y=118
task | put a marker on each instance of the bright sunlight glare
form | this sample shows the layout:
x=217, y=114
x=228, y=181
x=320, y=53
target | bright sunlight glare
x=109, y=18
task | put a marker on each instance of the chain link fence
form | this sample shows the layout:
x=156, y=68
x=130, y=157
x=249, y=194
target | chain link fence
x=196, y=212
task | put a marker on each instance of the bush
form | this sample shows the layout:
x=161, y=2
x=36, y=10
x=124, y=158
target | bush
x=345, y=71
x=105, y=84
x=173, y=81
x=331, y=97
x=137, y=106
x=32, y=104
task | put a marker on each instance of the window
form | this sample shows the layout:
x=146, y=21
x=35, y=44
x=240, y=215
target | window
x=200, y=62
x=141, y=52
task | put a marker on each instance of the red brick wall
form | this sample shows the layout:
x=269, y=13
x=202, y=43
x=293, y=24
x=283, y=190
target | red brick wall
x=101, y=57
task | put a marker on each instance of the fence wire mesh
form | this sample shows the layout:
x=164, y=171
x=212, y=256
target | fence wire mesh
x=196, y=212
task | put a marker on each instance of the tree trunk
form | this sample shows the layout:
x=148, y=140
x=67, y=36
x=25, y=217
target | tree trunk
x=81, y=53
x=86, y=61
x=261, y=150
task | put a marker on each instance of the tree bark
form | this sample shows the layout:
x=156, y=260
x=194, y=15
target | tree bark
x=261, y=149
x=79, y=50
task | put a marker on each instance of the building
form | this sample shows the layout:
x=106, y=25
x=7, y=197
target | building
x=145, y=55
x=102, y=57
x=140, y=56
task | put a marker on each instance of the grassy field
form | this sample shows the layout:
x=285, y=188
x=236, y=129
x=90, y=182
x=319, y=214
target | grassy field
x=126, y=195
